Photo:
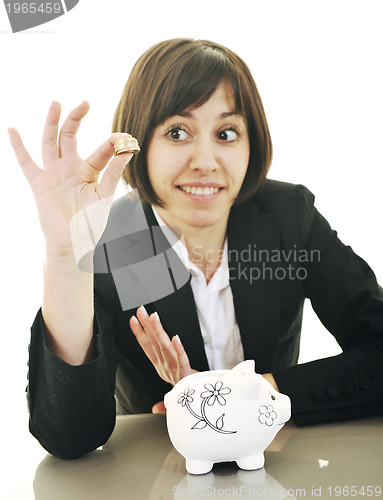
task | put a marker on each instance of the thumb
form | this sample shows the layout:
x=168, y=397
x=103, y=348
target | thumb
x=113, y=173
x=159, y=408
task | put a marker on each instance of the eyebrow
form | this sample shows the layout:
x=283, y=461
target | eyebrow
x=188, y=114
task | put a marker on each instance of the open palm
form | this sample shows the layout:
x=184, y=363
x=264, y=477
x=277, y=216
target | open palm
x=67, y=185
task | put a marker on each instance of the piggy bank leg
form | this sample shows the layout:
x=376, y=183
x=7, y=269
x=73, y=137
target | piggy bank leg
x=198, y=466
x=252, y=462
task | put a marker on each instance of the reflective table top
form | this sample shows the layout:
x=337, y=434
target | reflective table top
x=326, y=461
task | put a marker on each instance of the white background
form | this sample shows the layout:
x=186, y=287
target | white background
x=317, y=65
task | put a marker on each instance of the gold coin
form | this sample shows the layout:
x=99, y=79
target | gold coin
x=126, y=145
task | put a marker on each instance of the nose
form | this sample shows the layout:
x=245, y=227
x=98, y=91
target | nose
x=203, y=156
x=284, y=413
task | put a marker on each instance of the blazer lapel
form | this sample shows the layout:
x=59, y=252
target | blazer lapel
x=253, y=237
x=178, y=312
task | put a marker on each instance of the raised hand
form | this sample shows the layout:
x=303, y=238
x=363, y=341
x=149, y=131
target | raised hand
x=73, y=209
x=167, y=356
x=67, y=183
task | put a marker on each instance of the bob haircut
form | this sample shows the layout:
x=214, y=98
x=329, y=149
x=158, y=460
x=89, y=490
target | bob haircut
x=178, y=74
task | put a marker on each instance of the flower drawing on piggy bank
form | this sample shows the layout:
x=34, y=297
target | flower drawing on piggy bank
x=186, y=396
x=267, y=415
x=214, y=393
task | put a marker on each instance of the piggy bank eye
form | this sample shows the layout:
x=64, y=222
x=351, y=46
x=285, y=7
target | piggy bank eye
x=272, y=397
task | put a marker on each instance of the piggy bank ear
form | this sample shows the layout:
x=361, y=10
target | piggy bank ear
x=248, y=380
x=246, y=367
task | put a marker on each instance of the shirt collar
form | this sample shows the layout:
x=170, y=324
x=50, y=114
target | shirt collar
x=220, y=279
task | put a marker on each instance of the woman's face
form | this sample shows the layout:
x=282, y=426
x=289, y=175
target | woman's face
x=197, y=162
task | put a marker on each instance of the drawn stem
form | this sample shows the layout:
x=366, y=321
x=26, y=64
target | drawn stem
x=203, y=405
x=193, y=412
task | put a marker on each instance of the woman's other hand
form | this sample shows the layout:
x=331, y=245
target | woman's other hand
x=67, y=184
x=270, y=378
x=167, y=356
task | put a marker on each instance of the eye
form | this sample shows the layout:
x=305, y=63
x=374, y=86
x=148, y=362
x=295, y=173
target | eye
x=177, y=134
x=272, y=397
x=228, y=135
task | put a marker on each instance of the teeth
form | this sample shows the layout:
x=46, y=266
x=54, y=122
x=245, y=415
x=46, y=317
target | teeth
x=199, y=190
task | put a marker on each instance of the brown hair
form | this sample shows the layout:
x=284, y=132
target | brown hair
x=183, y=73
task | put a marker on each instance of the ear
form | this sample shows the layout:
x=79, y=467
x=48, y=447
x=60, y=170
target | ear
x=249, y=380
x=246, y=367
x=250, y=386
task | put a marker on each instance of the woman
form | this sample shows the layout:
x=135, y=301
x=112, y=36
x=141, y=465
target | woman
x=252, y=251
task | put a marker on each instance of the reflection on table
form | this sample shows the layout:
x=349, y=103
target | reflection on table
x=138, y=462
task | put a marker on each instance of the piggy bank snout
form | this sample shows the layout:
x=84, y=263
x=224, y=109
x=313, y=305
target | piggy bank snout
x=284, y=413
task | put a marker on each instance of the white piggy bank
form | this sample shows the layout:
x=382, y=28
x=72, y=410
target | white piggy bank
x=225, y=415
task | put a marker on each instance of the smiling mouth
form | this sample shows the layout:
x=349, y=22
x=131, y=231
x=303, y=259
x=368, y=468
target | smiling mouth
x=200, y=191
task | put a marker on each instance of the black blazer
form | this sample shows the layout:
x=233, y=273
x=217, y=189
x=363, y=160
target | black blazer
x=281, y=251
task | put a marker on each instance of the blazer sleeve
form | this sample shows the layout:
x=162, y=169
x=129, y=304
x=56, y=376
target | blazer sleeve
x=346, y=297
x=72, y=409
